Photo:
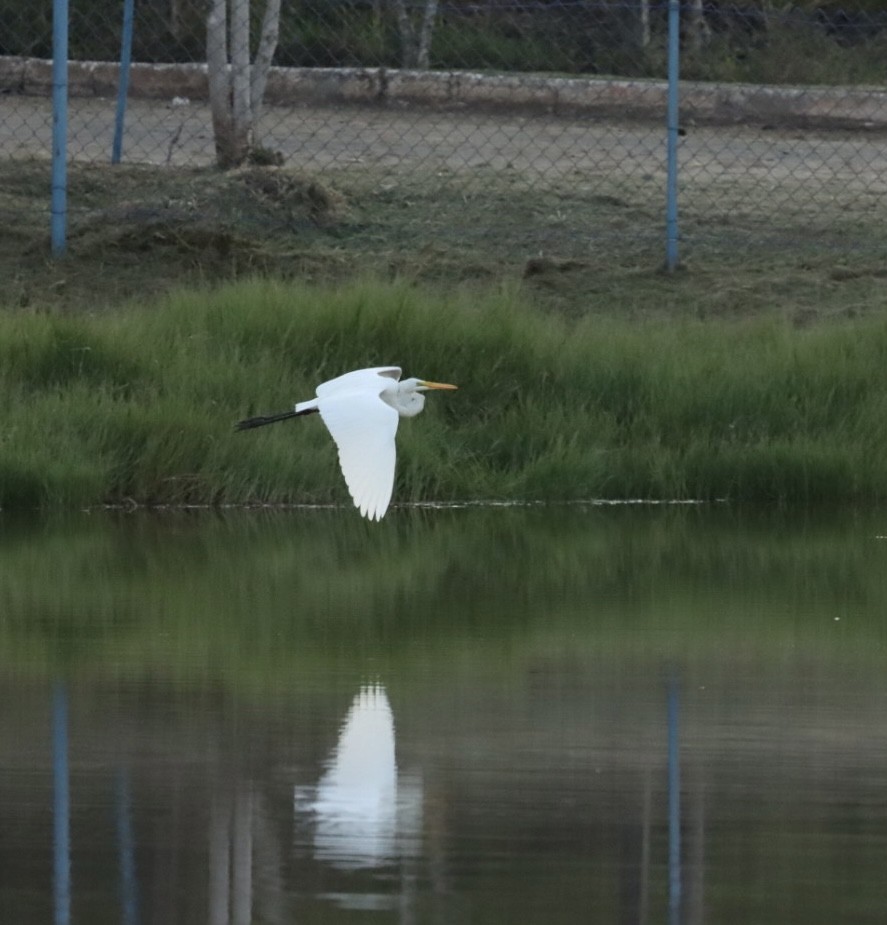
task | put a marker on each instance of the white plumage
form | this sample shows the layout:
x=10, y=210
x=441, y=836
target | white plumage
x=361, y=410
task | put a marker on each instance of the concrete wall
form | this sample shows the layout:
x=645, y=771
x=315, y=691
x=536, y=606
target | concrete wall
x=823, y=107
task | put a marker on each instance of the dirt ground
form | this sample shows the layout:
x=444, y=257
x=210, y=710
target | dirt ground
x=440, y=193
x=722, y=168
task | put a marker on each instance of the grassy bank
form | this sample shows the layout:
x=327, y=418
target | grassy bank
x=138, y=405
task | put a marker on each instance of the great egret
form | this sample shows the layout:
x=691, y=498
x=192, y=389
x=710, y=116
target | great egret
x=361, y=411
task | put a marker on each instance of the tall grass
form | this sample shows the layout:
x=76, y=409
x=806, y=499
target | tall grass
x=138, y=405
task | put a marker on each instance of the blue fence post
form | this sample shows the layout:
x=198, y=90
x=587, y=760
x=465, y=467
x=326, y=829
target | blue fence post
x=123, y=82
x=59, y=203
x=672, y=115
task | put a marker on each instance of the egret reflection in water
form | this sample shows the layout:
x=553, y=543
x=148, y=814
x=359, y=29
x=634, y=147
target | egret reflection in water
x=366, y=813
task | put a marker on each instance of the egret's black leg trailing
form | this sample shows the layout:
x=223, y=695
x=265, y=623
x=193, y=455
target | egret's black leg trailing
x=249, y=423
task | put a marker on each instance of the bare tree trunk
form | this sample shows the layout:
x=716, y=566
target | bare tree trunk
x=407, y=33
x=175, y=19
x=236, y=89
x=699, y=28
x=219, y=81
x=241, y=109
x=416, y=47
x=644, y=23
x=423, y=50
x=264, y=54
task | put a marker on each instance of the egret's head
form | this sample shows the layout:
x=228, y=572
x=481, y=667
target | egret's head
x=409, y=400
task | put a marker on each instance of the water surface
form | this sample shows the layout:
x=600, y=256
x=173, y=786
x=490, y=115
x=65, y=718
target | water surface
x=548, y=715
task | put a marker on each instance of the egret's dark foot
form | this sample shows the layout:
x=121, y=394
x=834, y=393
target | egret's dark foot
x=250, y=423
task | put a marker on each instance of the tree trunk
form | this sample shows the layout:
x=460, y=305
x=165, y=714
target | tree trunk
x=236, y=89
x=423, y=50
x=644, y=24
x=241, y=108
x=219, y=81
x=416, y=46
x=264, y=54
x=407, y=33
x=699, y=28
x=175, y=19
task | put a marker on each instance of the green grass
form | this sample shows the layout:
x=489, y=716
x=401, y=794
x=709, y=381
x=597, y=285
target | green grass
x=792, y=51
x=137, y=405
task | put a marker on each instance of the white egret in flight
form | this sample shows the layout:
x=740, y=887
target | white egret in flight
x=361, y=410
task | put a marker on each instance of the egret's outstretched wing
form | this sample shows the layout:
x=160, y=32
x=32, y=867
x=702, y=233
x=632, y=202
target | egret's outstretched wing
x=376, y=378
x=369, y=380
x=363, y=427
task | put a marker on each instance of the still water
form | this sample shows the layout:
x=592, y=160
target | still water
x=601, y=714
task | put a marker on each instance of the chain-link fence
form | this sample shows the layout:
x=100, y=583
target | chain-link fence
x=522, y=126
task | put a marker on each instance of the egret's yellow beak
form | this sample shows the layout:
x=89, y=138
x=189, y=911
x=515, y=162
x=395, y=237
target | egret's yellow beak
x=437, y=385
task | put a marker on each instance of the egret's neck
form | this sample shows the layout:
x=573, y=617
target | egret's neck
x=407, y=402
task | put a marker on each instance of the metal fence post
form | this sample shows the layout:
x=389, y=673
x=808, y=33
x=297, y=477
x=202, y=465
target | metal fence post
x=123, y=81
x=59, y=203
x=671, y=195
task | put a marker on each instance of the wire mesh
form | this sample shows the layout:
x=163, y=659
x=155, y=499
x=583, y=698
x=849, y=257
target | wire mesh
x=537, y=126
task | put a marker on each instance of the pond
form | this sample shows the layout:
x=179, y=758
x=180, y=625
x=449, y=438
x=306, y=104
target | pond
x=644, y=714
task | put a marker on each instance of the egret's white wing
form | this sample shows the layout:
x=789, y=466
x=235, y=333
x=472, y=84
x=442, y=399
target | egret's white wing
x=370, y=379
x=364, y=428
